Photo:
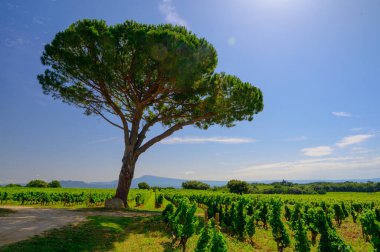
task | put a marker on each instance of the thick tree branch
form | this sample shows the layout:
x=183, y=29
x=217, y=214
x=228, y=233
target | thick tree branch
x=109, y=100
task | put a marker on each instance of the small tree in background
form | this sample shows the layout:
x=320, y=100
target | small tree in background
x=238, y=186
x=55, y=184
x=143, y=185
x=13, y=185
x=193, y=184
x=37, y=183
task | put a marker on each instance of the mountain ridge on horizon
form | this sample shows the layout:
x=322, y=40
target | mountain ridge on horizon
x=177, y=182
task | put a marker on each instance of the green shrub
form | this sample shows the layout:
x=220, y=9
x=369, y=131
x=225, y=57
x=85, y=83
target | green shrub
x=143, y=185
x=37, y=183
x=54, y=184
x=238, y=186
x=193, y=184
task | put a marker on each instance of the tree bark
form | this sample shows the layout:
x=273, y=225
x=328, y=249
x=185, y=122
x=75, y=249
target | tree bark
x=125, y=178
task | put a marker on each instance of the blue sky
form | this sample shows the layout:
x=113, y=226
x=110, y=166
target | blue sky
x=317, y=63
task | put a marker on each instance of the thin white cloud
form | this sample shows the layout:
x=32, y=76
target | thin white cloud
x=38, y=20
x=189, y=172
x=360, y=150
x=356, y=129
x=342, y=114
x=328, y=150
x=231, y=41
x=201, y=140
x=346, y=167
x=15, y=42
x=350, y=140
x=297, y=139
x=317, y=151
x=170, y=13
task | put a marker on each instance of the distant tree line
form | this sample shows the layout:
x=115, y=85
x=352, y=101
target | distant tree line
x=286, y=187
x=39, y=183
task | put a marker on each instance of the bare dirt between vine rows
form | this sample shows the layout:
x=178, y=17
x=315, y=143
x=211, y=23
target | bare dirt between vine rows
x=28, y=221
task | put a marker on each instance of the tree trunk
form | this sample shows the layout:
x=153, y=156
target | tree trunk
x=125, y=178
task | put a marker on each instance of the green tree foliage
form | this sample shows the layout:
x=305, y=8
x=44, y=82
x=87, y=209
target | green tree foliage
x=37, y=183
x=238, y=186
x=13, y=185
x=54, y=184
x=136, y=76
x=143, y=185
x=280, y=235
x=193, y=184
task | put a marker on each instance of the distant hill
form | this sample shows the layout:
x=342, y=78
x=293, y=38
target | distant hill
x=176, y=183
x=151, y=180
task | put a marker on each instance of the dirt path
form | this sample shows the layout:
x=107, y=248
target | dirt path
x=27, y=221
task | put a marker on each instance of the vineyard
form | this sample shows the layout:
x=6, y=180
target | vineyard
x=302, y=223
x=212, y=221
x=52, y=197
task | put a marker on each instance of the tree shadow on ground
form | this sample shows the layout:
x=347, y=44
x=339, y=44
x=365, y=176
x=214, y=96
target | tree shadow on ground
x=5, y=212
x=99, y=233
x=123, y=210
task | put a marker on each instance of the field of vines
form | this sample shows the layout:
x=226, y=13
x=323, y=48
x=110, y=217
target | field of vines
x=66, y=197
x=330, y=222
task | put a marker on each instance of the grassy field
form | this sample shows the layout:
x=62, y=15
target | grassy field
x=105, y=233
